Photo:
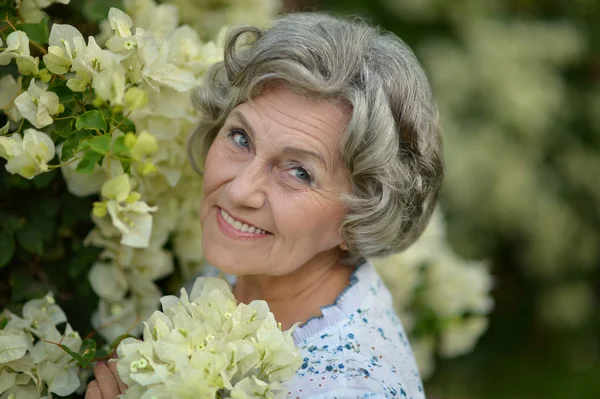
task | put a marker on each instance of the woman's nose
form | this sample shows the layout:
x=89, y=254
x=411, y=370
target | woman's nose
x=247, y=188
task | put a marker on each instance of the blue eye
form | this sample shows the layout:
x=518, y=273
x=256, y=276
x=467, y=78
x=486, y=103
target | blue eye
x=240, y=138
x=302, y=174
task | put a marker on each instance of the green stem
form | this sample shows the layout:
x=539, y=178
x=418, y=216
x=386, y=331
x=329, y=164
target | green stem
x=119, y=124
x=64, y=163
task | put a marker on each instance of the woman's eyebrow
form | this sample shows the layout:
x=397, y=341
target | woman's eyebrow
x=305, y=153
x=237, y=114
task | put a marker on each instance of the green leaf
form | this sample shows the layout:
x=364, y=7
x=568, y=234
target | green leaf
x=10, y=222
x=126, y=164
x=59, y=87
x=72, y=143
x=31, y=239
x=119, y=146
x=63, y=127
x=38, y=32
x=125, y=125
x=91, y=120
x=89, y=161
x=118, y=340
x=97, y=10
x=86, y=354
x=100, y=144
x=7, y=247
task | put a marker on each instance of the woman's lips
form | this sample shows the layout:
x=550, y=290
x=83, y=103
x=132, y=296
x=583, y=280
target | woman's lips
x=232, y=232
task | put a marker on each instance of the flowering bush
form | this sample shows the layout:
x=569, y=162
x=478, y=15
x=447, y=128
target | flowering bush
x=442, y=299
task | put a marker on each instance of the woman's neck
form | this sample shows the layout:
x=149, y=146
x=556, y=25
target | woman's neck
x=298, y=296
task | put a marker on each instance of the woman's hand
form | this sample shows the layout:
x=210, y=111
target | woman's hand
x=107, y=384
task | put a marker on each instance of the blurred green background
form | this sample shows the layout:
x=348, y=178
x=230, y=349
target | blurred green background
x=517, y=84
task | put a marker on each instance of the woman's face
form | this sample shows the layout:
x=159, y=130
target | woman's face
x=272, y=183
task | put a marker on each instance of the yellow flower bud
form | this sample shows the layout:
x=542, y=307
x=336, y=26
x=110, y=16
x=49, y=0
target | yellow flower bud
x=61, y=108
x=117, y=109
x=147, y=168
x=99, y=209
x=45, y=75
x=130, y=139
x=97, y=102
x=146, y=144
x=133, y=197
x=136, y=98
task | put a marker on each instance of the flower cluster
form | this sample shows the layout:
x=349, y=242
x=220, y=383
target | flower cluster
x=166, y=61
x=442, y=299
x=32, y=365
x=204, y=345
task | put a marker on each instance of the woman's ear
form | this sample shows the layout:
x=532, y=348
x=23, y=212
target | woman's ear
x=344, y=246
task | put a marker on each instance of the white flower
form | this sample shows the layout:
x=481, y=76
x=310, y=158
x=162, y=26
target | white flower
x=195, y=348
x=29, y=370
x=160, y=19
x=30, y=10
x=88, y=63
x=108, y=281
x=188, y=52
x=27, y=156
x=38, y=105
x=18, y=48
x=423, y=348
x=130, y=216
x=65, y=43
x=17, y=44
x=109, y=84
x=461, y=336
x=455, y=287
x=9, y=90
x=120, y=22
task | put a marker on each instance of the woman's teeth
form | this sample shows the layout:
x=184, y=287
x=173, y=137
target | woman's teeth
x=243, y=227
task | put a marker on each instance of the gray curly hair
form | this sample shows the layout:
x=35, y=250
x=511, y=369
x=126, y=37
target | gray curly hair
x=392, y=147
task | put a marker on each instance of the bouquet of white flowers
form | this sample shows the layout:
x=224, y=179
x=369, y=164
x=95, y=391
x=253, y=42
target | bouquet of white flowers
x=205, y=345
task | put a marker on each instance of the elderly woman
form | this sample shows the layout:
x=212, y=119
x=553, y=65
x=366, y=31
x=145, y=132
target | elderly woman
x=321, y=149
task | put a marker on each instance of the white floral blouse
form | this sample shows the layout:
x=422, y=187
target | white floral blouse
x=358, y=348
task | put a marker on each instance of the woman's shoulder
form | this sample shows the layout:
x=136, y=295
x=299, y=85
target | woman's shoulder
x=361, y=353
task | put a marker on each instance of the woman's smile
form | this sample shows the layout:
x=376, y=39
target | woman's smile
x=238, y=229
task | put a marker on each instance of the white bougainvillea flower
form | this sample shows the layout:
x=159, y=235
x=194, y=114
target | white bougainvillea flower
x=30, y=10
x=109, y=84
x=253, y=388
x=38, y=105
x=108, y=281
x=159, y=19
x=17, y=44
x=192, y=348
x=129, y=215
x=29, y=370
x=120, y=22
x=461, y=336
x=18, y=48
x=188, y=52
x=29, y=155
x=161, y=72
x=456, y=286
x=88, y=63
x=65, y=43
x=10, y=88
